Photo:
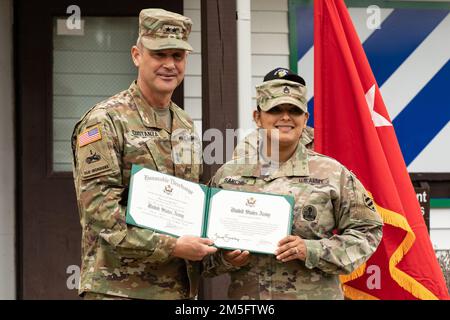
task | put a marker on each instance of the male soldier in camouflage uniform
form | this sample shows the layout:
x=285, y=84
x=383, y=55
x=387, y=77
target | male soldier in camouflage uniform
x=143, y=126
x=335, y=228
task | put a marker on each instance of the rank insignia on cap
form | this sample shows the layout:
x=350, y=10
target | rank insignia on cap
x=281, y=73
x=173, y=31
x=91, y=135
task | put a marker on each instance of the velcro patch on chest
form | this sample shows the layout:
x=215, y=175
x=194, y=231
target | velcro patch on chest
x=90, y=135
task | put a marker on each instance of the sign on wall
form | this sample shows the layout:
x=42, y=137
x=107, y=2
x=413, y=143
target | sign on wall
x=408, y=49
x=423, y=196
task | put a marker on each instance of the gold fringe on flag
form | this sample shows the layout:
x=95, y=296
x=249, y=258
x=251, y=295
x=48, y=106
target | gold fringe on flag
x=403, y=279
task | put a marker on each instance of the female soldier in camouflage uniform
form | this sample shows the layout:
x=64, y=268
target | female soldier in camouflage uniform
x=335, y=229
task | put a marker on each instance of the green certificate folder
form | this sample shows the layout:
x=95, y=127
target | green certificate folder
x=233, y=219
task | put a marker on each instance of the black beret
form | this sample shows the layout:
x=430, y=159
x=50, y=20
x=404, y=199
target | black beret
x=283, y=73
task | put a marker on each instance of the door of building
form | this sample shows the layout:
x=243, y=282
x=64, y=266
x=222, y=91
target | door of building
x=68, y=57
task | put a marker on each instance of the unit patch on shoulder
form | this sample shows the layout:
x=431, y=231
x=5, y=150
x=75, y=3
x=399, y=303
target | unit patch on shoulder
x=90, y=135
x=92, y=163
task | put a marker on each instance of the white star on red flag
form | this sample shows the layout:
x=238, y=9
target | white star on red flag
x=378, y=119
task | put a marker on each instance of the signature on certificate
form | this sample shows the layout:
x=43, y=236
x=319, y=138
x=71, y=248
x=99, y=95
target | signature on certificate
x=224, y=237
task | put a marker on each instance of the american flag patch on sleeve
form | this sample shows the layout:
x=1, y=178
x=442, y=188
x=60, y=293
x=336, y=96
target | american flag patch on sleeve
x=89, y=136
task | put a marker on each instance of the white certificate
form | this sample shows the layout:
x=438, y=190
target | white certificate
x=165, y=203
x=249, y=221
x=232, y=219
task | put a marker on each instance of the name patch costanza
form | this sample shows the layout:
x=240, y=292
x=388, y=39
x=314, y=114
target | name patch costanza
x=144, y=134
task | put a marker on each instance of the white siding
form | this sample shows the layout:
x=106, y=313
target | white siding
x=270, y=39
x=193, y=77
x=7, y=184
x=440, y=228
x=191, y=4
x=270, y=5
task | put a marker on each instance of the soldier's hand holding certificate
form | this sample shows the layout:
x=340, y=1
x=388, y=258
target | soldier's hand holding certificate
x=233, y=219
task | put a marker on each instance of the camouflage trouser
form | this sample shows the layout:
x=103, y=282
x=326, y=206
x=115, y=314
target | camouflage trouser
x=101, y=296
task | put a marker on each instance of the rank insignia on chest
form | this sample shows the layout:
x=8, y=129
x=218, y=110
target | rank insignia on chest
x=369, y=203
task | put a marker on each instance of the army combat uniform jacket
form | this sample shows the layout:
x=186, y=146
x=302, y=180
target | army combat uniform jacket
x=332, y=212
x=120, y=259
x=248, y=147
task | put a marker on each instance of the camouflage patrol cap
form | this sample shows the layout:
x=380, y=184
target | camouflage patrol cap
x=281, y=86
x=160, y=29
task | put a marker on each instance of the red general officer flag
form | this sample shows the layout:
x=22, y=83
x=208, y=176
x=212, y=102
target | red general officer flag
x=353, y=126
